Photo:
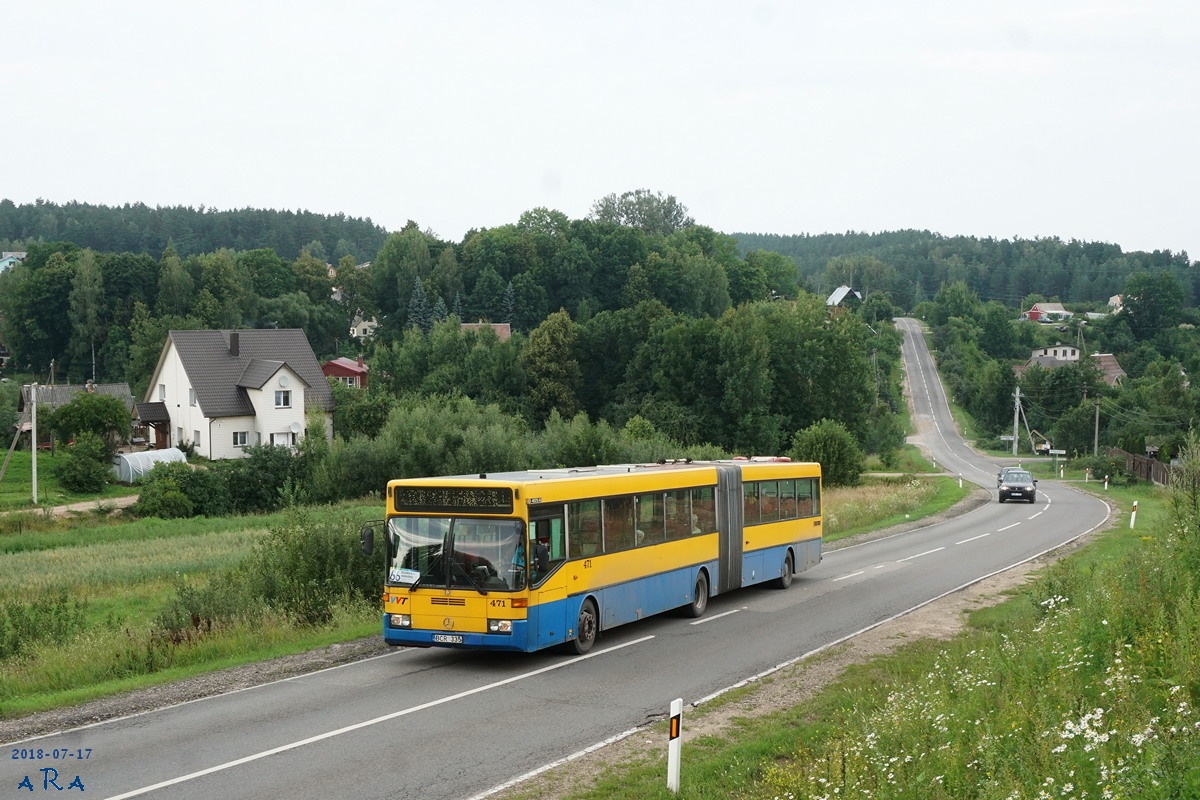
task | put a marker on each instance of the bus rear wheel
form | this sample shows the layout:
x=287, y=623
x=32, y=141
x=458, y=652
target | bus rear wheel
x=586, y=627
x=699, y=603
x=785, y=578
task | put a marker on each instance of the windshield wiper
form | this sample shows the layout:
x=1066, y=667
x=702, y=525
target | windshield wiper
x=421, y=575
x=470, y=578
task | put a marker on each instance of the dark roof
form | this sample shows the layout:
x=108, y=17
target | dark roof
x=219, y=377
x=153, y=412
x=258, y=372
x=63, y=393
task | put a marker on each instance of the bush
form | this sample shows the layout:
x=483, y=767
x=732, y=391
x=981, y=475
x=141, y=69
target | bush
x=303, y=569
x=164, y=499
x=86, y=467
x=254, y=482
x=46, y=619
x=832, y=445
x=174, y=490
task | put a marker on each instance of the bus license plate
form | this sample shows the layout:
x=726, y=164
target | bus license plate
x=447, y=638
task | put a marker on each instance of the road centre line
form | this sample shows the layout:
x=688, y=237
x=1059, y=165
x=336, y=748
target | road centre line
x=1006, y=527
x=368, y=723
x=973, y=538
x=918, y=555
x=715, y=616
x=851, y=575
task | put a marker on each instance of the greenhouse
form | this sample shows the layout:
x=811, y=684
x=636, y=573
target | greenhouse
x=133, y=467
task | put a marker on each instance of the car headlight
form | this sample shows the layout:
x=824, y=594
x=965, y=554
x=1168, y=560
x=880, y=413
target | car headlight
x=400, y=620
x=499, y=626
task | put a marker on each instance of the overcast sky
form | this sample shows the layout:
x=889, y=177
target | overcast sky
x=1078, y=119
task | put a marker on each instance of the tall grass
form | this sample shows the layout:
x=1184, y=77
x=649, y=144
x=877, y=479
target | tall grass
x=1095, y=694
x=879, y=502
x=91, y=613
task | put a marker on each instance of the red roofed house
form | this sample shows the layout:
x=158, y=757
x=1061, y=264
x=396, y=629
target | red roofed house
x=1047, y=312
x=348, y=371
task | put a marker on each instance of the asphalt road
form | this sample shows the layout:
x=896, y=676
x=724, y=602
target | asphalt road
x=443, y=724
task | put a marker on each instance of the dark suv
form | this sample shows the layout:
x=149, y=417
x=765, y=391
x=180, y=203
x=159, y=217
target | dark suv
x=1016, y=484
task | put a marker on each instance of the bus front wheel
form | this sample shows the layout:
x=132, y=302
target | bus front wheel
x=586, y=627
x=699, y=597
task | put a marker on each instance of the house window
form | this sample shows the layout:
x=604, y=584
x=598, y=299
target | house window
x=282, y=439
x=350, y=380
x=240, y=438
x=196, y=438
x=162, y=392
x=191, y=397
x=283, y=398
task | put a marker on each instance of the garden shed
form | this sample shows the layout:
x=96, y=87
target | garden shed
x=133, y=467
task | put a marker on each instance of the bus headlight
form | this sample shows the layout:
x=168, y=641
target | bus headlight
x=499, y=626
x=400, y=620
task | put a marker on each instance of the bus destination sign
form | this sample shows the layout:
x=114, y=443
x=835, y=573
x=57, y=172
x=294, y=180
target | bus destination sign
x=452, y=499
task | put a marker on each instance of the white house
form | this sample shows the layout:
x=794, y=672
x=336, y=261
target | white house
x=224, y=391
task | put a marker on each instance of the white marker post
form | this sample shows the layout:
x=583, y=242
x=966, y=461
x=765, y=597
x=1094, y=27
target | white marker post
x=960, y=480
x=674, y=745
x=1133, y=516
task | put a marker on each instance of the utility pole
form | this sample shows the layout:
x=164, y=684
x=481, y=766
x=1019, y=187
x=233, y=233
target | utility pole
x=1096, y=434
x=1016, y=416
x=33, y=438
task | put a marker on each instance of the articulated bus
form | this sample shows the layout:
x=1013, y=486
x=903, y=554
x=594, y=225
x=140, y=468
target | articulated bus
x=526, y=560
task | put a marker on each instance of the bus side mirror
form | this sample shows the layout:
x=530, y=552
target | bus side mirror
x=367, y=538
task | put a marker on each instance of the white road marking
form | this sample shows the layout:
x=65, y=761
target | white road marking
x=918, y=555
x=715, y=616
x=368, y=723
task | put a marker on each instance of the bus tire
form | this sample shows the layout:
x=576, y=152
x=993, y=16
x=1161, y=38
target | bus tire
x=785, y=578
x=586, y=628
x=699, y=604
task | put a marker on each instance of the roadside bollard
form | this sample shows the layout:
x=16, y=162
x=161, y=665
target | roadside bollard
x=1133, y=516
x=1106, y=483
x=674, y=745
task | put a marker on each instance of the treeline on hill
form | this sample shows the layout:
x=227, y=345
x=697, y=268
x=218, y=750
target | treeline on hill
x=633, y=312
x=912, y=265
x=1153, y=338
x=138, y=228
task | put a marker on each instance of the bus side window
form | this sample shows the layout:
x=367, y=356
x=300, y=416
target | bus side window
x=704, y=510
x=583, y=521
x=768, y=500
x=804, y=497
x=787, y=499
x=679, y=514
x=618, y=523
x=650, y=522
x=750, y=510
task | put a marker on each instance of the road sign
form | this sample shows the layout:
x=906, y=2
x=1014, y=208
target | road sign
x=1057, y=452
x=1006, y=438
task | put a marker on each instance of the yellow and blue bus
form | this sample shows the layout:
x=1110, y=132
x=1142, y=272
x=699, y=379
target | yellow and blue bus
x=526, y=560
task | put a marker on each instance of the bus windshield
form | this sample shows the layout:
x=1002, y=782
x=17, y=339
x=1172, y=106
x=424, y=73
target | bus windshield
x=457, y=552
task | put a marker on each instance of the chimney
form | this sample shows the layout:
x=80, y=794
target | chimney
x=233, y=344
x=360, y=361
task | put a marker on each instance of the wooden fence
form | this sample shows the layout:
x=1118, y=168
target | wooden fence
x=1146, y=468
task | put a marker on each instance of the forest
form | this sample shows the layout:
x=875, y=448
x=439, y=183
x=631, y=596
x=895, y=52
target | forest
x=635, y=312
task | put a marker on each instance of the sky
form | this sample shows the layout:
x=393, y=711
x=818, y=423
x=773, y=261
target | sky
x=1078, y=119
